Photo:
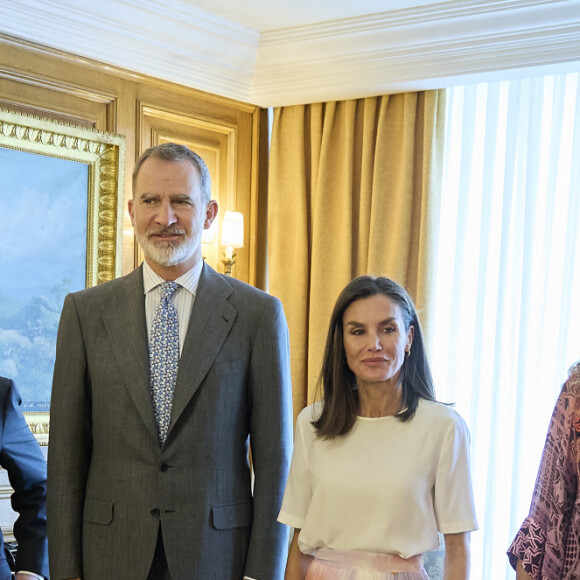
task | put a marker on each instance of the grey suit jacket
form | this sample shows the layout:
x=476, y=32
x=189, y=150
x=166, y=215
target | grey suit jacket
x=110, y=485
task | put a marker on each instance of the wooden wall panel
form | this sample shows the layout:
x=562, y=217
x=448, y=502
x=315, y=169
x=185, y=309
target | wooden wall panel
x=55, y=85
x=217, y=140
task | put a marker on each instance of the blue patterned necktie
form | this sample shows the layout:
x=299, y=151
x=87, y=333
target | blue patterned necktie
x=164, y=358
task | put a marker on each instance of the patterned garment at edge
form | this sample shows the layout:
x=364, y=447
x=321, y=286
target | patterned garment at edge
x=548, y=540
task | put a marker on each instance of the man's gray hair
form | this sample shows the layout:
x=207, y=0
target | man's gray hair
x=176, y=152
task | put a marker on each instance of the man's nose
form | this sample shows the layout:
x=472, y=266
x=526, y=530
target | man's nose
x=166, y=214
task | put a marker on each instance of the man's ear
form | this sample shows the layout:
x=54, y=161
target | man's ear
x=210, y=213
x=131, y=209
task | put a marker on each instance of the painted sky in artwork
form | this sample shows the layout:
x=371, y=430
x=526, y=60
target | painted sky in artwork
x=43, y=233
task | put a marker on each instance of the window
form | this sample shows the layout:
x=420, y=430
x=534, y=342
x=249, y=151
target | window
x=507, y=293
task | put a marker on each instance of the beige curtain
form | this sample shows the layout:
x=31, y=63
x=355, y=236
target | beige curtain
x=354, y=189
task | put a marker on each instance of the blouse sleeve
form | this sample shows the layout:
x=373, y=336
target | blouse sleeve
x=454, y=504
x=541, y=539
x=298, y=487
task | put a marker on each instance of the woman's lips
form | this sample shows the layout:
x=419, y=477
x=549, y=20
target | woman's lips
x=374, y=360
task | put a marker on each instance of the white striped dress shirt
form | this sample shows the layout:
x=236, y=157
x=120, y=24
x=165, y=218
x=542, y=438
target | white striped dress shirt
x=182, y=298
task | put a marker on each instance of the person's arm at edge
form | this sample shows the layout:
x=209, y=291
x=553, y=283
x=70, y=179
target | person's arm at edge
x=454, y=491
x=271, y=436
x=26, y=467
x=457, y=556
x=554, y=466
x=70, y=445
x=521, y=574
x=298, y=563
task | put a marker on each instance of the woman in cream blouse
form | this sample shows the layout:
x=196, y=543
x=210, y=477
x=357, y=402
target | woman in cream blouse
x=379, y=467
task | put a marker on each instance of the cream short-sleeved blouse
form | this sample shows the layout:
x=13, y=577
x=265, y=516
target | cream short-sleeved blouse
x=387, y=486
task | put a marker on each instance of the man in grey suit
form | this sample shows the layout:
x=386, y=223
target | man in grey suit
x=127, y=497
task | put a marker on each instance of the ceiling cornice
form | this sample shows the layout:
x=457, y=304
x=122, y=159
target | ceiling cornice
x=411, y=49
x=430, y=47
x=170, y=40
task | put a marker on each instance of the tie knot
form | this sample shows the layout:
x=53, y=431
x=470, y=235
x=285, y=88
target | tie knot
x=168, y=288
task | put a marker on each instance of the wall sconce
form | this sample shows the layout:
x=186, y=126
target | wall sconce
x=208, y=239
x=232, y=237
x=208, y=236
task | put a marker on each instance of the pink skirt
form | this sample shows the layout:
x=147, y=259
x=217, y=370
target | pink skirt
x=337, y=565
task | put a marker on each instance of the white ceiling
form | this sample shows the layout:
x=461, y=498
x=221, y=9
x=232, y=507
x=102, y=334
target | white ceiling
x=266, y=15
x=283, y=52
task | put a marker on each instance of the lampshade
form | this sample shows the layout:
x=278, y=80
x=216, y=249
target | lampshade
x=208, y=236
x=233, y=229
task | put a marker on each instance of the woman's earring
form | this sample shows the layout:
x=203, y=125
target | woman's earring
x=407, y=353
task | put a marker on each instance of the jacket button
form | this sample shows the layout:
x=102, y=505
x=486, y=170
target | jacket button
x=164, y=467
x=155, y=512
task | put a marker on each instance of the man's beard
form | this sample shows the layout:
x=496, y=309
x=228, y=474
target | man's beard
x=167, y=254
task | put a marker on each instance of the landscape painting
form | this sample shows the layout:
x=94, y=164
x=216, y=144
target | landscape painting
x=43, y=251
x=61, y=194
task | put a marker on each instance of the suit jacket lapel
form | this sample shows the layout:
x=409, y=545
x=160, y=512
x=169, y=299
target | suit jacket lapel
x=124, y=316
x=212, y=318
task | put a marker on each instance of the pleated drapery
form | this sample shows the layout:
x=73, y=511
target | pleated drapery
x=354, y=189
x=507, y=299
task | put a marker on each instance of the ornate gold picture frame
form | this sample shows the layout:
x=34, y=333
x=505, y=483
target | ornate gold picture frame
x=95, y=160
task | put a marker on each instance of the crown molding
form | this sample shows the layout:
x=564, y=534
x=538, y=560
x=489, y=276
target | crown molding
x=415, y=16
x=415, y=49
x=172, y=40
x=411, y=49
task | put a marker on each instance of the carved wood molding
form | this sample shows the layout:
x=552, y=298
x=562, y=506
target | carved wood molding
x=5, y=492
x=104, y=153
x=7, y=515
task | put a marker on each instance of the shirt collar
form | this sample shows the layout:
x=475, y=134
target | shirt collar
x=189, y=280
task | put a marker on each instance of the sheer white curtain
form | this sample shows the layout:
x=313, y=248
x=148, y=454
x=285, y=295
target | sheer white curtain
x=507, y=296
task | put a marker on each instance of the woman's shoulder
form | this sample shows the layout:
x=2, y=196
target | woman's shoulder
x=442, y=422
x=439, y=412
x=572, y=384
x=305, y=430
x=310, y=413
